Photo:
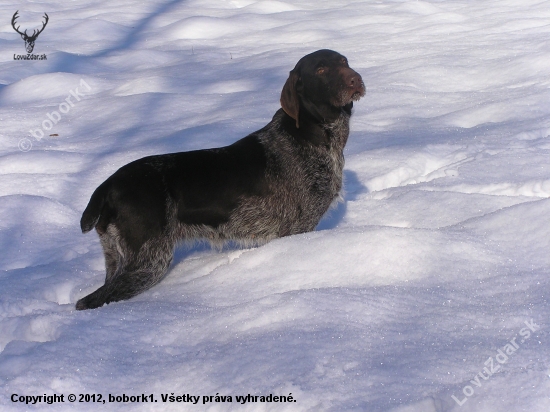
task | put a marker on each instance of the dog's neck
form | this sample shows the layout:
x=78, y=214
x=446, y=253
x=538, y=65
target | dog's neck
x=322, y=113
x=329, y=129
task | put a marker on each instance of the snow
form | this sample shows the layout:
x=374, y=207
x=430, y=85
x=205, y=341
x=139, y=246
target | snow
x=435, y=261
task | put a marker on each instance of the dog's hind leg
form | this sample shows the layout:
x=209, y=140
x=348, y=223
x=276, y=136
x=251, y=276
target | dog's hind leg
x=113, y=257
x=135, y=273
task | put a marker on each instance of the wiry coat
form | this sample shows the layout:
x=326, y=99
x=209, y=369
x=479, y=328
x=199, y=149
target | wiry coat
x=277, y=181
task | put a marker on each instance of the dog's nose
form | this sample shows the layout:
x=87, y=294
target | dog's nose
x=354, y=80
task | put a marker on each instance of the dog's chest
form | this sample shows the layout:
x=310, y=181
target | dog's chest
x=326, y=165
x=317, y=179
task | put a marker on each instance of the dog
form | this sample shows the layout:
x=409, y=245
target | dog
x=277, y=181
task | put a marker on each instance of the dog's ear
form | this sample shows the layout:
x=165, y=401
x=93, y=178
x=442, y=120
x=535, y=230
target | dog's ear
x=289, y=97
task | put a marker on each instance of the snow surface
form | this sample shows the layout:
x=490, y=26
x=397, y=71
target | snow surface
x=435, y=261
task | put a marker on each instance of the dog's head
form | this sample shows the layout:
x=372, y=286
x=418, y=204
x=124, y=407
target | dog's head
x=321, y=83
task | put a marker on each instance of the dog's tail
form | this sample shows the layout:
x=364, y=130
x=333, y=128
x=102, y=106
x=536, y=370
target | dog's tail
x=92, y=213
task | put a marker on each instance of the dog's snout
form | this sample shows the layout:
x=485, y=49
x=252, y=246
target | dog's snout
x=353, y=80
x=355, y=85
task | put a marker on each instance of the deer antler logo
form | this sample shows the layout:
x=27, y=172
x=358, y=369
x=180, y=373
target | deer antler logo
x=29, y=40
